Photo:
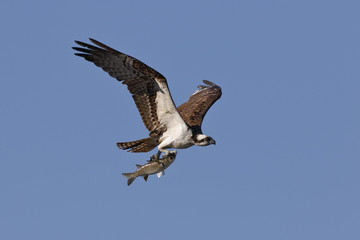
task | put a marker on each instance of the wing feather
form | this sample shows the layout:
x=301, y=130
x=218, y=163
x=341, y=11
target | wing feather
x=194, y=110
x=148, y=87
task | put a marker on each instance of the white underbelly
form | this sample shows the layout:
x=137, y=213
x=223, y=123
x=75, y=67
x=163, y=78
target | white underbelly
x=182, y=144
x=178, y=138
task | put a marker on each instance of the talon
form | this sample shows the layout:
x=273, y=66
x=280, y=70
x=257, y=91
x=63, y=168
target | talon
x=155, y=157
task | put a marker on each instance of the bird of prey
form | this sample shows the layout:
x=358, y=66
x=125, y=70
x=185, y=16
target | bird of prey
x=169, y=127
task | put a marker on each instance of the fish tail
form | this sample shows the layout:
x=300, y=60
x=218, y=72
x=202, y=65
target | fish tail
x=130, y=176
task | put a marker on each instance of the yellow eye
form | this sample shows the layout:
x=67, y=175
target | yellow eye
x=207, y=139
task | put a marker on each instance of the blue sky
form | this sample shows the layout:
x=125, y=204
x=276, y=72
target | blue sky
x=286, y=164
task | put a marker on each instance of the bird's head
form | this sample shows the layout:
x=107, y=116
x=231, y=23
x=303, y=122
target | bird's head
x=203, y=140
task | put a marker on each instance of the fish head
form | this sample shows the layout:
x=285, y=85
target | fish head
x=171, y=156
x=169, y=159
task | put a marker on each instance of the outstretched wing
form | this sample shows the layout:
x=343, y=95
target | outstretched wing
x=149, y=88
x=194, y=110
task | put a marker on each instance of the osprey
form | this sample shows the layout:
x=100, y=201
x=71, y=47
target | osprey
x=169, y=127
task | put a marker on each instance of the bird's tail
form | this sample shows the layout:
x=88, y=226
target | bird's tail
x=142, y=145
x=130, y=176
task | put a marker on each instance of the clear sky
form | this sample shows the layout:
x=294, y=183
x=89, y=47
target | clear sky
x=286, y=164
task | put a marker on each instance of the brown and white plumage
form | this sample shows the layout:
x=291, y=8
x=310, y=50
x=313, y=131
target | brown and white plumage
x=169, y=127
x=194, y=110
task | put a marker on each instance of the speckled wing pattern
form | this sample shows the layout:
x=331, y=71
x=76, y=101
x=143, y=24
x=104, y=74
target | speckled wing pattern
x=194, y=110
x=142, y=81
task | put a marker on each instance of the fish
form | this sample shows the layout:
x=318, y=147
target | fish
x=155, y=166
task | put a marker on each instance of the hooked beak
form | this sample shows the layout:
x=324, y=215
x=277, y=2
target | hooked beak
x=213, y=142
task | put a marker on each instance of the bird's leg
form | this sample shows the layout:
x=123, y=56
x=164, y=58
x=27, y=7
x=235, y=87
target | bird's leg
x=164, y=152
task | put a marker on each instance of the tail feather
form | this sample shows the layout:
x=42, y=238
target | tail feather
x=130, y=177
x=142, y=145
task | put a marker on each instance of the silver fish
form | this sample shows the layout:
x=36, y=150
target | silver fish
x=152, y=167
